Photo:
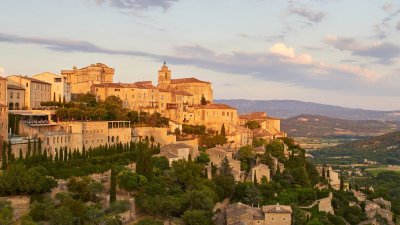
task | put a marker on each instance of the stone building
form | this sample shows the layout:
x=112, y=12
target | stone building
x=175, y=152
x=3, y=110
x=60, y=89
x=16, y=97
x=81, y=80
x=36, y=91
x=259, y=171
x=195, y=87
x=331, y=175
x=239, y=213
x=270, y=127
x=217, y=154
x=139, y=96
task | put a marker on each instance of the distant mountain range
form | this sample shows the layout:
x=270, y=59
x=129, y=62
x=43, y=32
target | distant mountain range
x=323, y=126
x=292, y=108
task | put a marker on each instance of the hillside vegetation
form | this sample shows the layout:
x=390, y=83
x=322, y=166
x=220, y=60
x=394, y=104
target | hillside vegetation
x=322, y=126
x=384, y=149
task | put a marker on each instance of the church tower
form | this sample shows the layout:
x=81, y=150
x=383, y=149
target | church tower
x=164, y=77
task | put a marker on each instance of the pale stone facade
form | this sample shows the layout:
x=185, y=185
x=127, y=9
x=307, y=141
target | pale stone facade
x=81, y=80
x=331, y=175
x=161, y=135
x=3, y=110
x=240, y=213
x=137, y=96
x=213, y=116
x=92, y=134
x=195, y=87
x=259, y=171
x=60, y=89
x=270, y=127
x=239, y=136
x=217, y=154
x=325, y=204
x=175, y=152
x=16, y=97
x=36, y=91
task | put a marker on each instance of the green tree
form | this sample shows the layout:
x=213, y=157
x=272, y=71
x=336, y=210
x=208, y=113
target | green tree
x=203, y=158
x=197, y=217
x=4, y=156
x=225, y=168
x=6, y=212
x=252, y=124
x=62, y=216
x=203, y=100
x=113, y=188
x=223, y=133
x=149, y=221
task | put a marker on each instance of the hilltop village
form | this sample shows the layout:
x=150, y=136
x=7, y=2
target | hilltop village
x=79, y=148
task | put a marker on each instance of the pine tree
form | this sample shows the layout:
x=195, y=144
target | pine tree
x=113, y=188
x=84, y=153
x=69, y=154
x=45, y=155
x=4, y=156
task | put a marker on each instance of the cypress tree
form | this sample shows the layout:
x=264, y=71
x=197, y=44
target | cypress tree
x=65, y=154
x=4, y=157
x=341, y=181
x=9, y=151
x=56, y=157
x=69, y=154
x=113, y=188
x=21, y=156
x=34, y=147
x=28, y=154
x=203, y=100
x=84, y=152
x=255, y=177
x=61, y=155
x=223, y=133
x=45, y=155
x=39, y=147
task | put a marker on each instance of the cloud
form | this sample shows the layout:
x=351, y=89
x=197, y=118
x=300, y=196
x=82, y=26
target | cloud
x=282, y=50
x=385, y=52
x=137, y=4
x=398, y=26
x=311, y=15
x=278, y=63
x=388, y=7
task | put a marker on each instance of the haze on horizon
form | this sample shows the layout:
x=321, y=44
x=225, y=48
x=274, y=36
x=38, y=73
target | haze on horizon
x=334, y=52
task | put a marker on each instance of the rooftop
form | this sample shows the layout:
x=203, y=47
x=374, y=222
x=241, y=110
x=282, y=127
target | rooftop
x=30, y=79
x=14, y=87
x=214, y=106
x=188, y=80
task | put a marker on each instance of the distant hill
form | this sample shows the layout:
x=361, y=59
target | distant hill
x=291, y=108
x=384, y=149
x=323, y=126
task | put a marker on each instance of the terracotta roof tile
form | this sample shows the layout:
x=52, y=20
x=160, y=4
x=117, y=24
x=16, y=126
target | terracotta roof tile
x=14, y=87
x=213, y=106
x=30, y=79
x=188, y=80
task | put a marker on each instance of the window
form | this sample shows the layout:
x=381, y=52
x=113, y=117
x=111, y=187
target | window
x=57, y=80
x=17, y=95
x=27, y=85
x=11, y=95
x=117, y=89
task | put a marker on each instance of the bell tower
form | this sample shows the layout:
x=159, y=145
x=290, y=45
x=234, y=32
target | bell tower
x=164, y=77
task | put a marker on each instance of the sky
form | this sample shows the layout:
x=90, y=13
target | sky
x=338, y=52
